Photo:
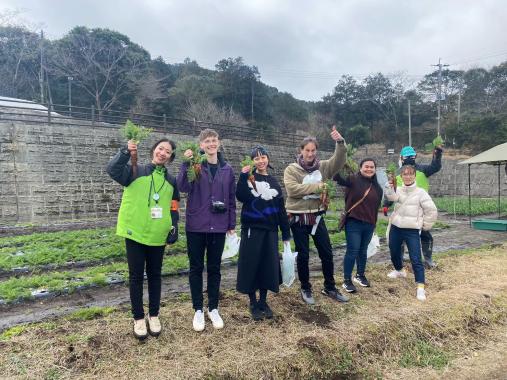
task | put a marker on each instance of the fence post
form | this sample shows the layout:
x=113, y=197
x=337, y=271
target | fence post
x=49, y=113
x=93, y=115
x=165, y=120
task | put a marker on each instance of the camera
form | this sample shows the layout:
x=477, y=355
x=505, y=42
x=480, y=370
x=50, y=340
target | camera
x=218, y=207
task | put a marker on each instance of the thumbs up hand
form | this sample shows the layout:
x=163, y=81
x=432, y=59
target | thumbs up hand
x=335, y=135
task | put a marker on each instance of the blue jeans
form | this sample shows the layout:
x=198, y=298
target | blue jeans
x=358, y=234
x=411, y=237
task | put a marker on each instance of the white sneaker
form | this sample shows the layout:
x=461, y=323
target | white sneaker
x=154, y=326
x=198, y=322
x=216, y=319
x=397, y=274
x=421, y=294
x=140, y=331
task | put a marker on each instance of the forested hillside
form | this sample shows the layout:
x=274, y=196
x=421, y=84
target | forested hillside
x=106, y=69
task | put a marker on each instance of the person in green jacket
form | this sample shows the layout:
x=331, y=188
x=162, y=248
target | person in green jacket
x=407, y=157
x=147, y=219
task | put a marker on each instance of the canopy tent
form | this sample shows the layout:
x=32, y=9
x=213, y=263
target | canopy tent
x=494, y=156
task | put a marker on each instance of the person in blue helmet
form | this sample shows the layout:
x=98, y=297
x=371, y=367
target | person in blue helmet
x=407, y=157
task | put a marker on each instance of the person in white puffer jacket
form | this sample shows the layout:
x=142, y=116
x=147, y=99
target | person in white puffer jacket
x=414, y=211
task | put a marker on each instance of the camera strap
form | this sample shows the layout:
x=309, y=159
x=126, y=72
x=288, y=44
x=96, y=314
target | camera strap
x=217, y=177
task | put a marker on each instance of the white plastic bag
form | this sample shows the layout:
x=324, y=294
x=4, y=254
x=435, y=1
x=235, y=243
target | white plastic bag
x=288, y=263
x=373, y=246
x=231, y=247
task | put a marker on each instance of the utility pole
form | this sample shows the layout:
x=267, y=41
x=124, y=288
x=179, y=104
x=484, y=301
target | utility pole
x=252, y=97
x=459, y=107
x=439, y=94
x=41, y=74
x=70, y=79
x=409, y=125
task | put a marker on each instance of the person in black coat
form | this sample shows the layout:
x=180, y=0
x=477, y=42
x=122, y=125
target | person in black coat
x=262, y=214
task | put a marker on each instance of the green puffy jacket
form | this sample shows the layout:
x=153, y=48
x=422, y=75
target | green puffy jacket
x=134, y=217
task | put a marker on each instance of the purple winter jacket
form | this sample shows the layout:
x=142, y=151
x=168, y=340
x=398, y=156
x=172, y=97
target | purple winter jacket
x=202, y=191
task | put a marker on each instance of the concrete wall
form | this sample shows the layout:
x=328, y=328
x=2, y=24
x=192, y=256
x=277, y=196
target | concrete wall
x=54, y=173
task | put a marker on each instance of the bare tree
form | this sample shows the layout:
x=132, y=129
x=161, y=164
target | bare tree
x=206, y=110
x=104, y=63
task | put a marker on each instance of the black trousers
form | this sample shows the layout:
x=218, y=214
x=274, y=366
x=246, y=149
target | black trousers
x=137, y=256
x=199, y=244
x=427, y=244
x=301, y=234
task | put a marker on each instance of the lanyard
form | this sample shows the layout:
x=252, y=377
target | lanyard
x=156, y=195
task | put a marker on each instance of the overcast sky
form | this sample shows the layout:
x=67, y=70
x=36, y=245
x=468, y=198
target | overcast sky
x=301, y=47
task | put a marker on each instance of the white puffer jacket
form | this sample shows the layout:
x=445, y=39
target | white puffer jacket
x=413, y=207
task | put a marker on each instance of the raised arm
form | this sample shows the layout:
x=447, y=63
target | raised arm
x=243, y=193
x=330, y=167
x=434, y=166
x=119, y=169
x=347, y=182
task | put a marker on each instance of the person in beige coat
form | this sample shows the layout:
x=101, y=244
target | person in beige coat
x=414, y=211
x=305, y=182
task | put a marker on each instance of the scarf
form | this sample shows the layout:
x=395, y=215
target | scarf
x=308, y=167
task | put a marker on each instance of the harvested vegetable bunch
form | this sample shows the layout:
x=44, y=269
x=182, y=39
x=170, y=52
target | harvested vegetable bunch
x=391, y=173
x=137, y=134
x=134, y=132
x=247, y=161
x=438, y=141
x=324, y=195
x=195, y=162
x=350, y=166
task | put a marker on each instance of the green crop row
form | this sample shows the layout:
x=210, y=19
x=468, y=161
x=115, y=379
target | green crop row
x=25, y=287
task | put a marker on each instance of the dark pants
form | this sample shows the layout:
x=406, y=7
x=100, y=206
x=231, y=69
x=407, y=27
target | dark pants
x=358, y=234
x=411, y=237
x=211, y=244
x=300, y=234
x=427, y=244
x=258, y=263
x=137, y=255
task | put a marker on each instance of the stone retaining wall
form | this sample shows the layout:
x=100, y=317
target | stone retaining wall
x=54, y=173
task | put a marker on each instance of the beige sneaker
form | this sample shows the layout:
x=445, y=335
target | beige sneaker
x=140, y=331
x=397, y=274
x=154, y=326
x=216, y=319
x=421, y=294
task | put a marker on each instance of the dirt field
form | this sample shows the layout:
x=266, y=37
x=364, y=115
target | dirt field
x=458, y=236
x=384, y=332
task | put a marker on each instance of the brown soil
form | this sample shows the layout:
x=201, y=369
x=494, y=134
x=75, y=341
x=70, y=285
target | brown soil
x=465, y=317
x=459, y=236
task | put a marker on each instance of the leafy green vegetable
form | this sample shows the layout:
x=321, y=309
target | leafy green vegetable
x=350, y=166
x=391, y=168
x=135, y=133
x=195, y=162
x=438, y=141
x=247, y=161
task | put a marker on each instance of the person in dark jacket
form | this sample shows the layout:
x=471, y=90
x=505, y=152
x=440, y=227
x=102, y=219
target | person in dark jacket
x=423, y=172
x=262, y=214
x=148, y=219
x=361, y=221
x=210, y=214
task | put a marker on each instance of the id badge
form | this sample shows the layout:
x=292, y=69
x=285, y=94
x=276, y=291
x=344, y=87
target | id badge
x=156, y=213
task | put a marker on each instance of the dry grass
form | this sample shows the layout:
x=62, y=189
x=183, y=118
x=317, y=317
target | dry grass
x=383, y=332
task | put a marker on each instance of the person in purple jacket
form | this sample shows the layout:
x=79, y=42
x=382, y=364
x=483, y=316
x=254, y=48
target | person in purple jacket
x=210, y=214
